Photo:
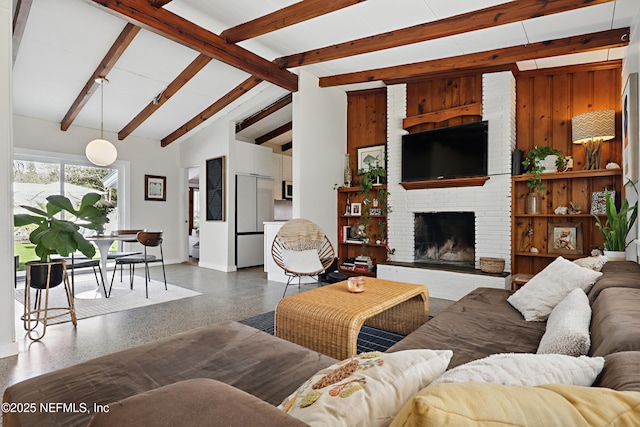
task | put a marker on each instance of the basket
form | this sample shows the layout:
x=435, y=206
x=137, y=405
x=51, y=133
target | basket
x=492, y=265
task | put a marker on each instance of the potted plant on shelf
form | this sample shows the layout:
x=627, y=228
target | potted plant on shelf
x=372, y=177
x=616, y=227
x=61, y=236
x=537, y=161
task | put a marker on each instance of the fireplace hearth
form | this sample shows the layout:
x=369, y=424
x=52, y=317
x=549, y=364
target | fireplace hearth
x=445, y=238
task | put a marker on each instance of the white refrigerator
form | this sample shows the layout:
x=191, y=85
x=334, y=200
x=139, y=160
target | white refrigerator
x=254, y=206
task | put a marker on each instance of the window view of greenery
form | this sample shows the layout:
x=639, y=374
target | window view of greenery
x=34, y=181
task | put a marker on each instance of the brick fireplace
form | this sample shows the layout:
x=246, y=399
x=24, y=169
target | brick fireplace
x=489, y=204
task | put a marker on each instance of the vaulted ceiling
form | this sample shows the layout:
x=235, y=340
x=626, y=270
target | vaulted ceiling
x=175, y=66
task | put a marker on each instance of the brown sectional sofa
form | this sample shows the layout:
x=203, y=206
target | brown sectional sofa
x=231, y=374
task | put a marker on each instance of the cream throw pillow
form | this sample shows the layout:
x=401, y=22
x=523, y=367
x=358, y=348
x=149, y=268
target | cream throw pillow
x=527, y=369
x=302, y=261
x=545, y=290
x=593, y=262
x=493, y=405
x=568, y=326
x=367, y=390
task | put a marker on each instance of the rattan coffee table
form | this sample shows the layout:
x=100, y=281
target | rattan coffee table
x=328, y=319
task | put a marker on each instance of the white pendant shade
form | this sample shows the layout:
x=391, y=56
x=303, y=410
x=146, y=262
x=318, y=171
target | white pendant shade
x=101, y=152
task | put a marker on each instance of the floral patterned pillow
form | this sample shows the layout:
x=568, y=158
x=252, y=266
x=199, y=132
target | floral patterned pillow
x=366, y=390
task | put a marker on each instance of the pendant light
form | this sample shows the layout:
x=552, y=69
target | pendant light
x=101, y=152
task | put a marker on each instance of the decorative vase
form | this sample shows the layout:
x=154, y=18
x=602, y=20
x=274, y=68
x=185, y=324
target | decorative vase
x=348, y=175
x=549, y=163
x=615, y=255
x=533, y=203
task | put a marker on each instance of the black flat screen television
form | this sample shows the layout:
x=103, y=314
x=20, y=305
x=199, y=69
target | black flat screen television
x=444, y=153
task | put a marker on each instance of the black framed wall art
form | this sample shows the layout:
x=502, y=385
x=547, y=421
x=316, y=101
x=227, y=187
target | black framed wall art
x=215, y=202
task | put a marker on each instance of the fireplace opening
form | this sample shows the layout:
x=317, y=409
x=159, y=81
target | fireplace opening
x=445, y=238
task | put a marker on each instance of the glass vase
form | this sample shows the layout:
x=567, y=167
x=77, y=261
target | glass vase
x=533, y=203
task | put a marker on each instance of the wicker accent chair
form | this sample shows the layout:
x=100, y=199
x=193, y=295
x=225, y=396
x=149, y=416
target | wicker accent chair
x=302, y=249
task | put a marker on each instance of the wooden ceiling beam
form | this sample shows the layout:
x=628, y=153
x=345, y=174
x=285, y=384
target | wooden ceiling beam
x=265, y=112
x=214, y=108
x=106, y=65
x=180, y=30
x=173, y=87
x=274, y=133
x=565, y=46
x=20, y=16
x=290, y=15
x=513, y=11
x=159, y=3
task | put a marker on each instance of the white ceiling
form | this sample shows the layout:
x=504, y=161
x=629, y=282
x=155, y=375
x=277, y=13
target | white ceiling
x=64, y=41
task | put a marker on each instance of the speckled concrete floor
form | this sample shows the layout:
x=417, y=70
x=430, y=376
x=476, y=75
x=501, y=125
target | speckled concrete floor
x=225, y=296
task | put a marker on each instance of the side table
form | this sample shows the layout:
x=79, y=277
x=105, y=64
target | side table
x=518, y=280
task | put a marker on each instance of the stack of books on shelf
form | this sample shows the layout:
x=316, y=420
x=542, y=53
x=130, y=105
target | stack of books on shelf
x=363, y=264
x=348, y=264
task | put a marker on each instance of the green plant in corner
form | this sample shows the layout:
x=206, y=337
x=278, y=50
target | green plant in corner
x=618, y=223
x=61, y=236
x=533, y=163
x=374, y=176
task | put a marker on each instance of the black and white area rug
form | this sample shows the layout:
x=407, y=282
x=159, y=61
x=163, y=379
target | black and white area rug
x=370, y=339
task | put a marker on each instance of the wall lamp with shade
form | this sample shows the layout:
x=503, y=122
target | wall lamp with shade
x=101, y=152
x=590, y=129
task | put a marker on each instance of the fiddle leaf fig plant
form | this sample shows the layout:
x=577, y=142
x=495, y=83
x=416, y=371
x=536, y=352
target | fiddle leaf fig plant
x=54, y=235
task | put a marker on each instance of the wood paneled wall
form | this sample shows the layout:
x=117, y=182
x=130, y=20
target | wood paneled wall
x=548, y=99
x=366, y=122
x=440, y=94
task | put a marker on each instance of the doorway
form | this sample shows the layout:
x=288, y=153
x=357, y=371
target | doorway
x=193, y=214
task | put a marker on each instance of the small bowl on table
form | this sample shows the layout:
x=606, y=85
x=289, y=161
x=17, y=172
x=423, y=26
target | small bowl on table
x=355, y=284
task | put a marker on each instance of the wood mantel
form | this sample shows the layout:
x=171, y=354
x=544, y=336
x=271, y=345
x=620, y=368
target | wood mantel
x=476, y=181
x=442, y=115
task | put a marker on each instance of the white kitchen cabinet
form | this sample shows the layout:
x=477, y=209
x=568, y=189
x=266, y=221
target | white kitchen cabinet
x=287, y=168
x=276, y=174
x=253, y=159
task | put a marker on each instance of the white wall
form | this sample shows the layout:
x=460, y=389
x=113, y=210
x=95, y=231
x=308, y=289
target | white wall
x=8, y=344
x=216, y=237
x=319, y=145
x=631, y=64
x=145, y=157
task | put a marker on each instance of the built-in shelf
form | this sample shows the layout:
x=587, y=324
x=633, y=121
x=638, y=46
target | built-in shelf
x=476, y=181
x=572, y=174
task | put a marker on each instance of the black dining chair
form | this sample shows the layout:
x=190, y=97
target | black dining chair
x=148, y=239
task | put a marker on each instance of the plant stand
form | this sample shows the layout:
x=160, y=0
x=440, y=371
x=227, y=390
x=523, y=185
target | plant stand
x=39, y=314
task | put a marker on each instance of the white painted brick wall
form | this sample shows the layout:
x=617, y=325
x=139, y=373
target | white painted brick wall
x=491, y=203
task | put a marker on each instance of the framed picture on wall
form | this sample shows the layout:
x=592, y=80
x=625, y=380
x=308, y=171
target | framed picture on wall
x=630, y=128
x=215, y=189
x=155, y=188
x=370, y=157
x=565, y=238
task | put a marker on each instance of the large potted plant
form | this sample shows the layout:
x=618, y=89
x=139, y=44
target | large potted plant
x=57, y=236
x=616, y=227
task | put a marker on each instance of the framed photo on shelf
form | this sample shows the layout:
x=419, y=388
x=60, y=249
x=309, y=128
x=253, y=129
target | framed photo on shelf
x=356, y=209
x=369, y=157
x=155, y=188
x=599, y=201
x=565, y=238
x=630, y=128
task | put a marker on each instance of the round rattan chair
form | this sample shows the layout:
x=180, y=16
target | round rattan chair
x=301, y=249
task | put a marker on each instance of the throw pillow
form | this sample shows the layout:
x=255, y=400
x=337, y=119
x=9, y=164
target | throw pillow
x=545, y=290
x=302, y=261
x=568, y=326
x=594, y=263
x=491, y=405
x=367, y=390
x=527, y=369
